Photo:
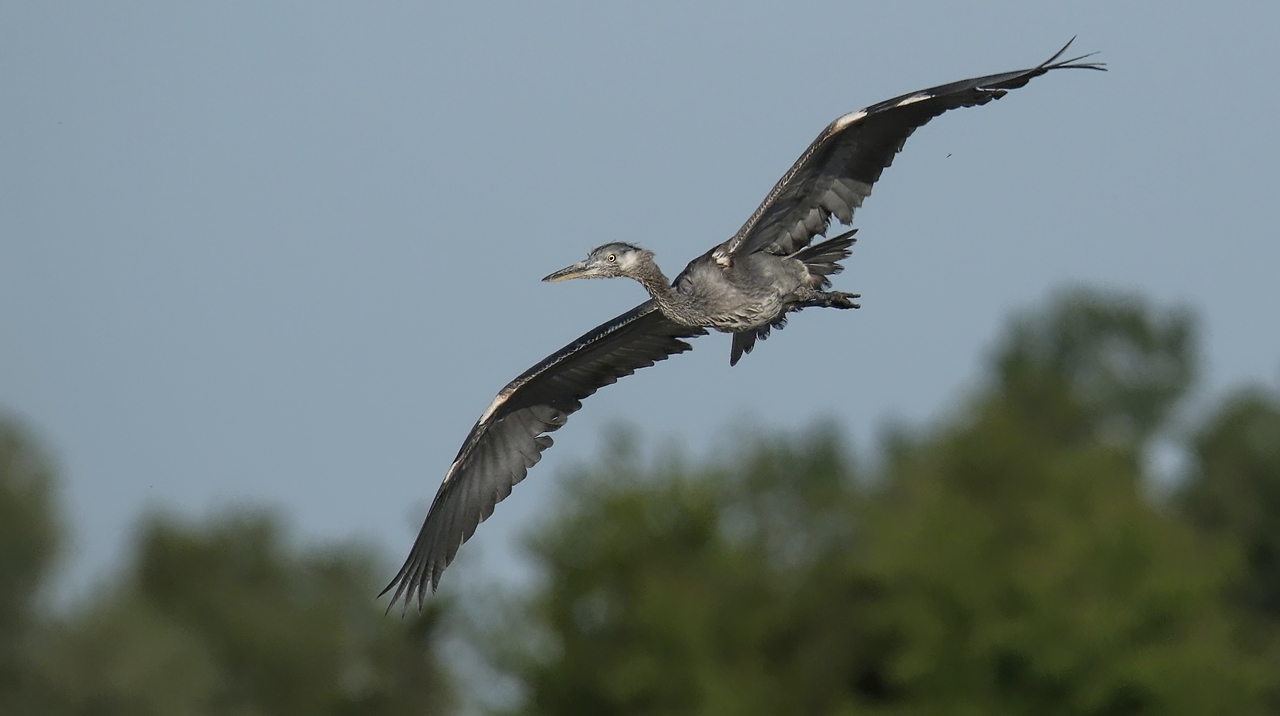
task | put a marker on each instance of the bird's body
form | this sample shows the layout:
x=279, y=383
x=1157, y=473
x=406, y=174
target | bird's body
x=745, y=286
x=732, y=296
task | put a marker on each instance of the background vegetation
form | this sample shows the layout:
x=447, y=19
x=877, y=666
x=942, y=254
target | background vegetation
x=1016, y=557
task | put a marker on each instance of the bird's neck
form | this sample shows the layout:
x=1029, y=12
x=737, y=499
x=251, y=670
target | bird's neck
x=671, y=302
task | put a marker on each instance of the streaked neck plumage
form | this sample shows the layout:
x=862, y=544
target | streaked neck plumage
x=673, y=304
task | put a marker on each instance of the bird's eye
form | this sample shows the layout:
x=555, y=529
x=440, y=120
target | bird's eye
x=611, y=258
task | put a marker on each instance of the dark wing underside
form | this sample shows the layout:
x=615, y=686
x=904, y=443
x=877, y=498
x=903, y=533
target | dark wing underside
x=836, y=172
x=511, y=435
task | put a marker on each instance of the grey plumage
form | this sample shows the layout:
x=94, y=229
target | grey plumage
x=745, y=286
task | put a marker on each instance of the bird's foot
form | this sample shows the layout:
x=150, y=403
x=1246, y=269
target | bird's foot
x=838, y=299
x=845, y=300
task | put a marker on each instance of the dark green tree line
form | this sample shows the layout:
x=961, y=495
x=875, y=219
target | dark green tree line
x=1234, y=495
x=29, y=538
x=1010, y=559
x=225, y=617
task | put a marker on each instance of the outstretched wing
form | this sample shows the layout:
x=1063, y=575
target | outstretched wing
x=510, y=436
x=835, y=174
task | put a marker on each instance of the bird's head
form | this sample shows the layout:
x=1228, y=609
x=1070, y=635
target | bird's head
x=608, y=261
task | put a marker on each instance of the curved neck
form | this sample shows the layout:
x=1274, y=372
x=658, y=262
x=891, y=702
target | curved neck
x=672, y=303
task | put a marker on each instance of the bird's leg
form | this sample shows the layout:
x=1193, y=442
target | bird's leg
x=830, y=299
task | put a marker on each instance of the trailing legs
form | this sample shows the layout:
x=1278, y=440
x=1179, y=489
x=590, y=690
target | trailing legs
x=829, y=299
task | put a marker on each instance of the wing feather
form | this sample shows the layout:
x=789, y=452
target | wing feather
x=836, y=172
x=510, y=436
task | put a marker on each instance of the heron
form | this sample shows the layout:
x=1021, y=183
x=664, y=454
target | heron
x=746, y=286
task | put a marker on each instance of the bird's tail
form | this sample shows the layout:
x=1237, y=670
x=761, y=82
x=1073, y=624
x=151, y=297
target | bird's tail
x=823, y=259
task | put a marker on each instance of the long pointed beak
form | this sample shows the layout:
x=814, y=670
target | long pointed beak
x=568, y=272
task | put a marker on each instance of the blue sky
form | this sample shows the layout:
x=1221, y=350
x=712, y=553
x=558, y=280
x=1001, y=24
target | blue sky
x=287, y=254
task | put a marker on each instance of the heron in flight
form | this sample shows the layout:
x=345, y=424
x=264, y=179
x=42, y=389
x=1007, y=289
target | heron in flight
x=745, y=286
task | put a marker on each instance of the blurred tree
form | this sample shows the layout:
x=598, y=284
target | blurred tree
x=1020, y=577
x=1097, y=366
x=1024, y=569
x=1235, y=490
x=719, y=592
x=123, y=657
x=1234, y=493
x=227, y=619
x=1006, y=561
x=29, y=536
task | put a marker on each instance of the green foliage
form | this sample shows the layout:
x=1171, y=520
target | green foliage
x=1006, y=561
x=28, y=542
x=124, y=657
x=227, y=619
x=1236, y=490
x=1024, y=579
x=720, y=592
x=1097, y=367
x=1234, y=494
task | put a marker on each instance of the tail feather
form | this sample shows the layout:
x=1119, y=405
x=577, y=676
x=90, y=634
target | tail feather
x=823, y=259
x=743, y=342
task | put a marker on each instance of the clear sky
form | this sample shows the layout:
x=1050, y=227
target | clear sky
x=286, y=253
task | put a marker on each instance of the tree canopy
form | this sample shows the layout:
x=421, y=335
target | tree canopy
x=29, y=539
x=1011, y=557
x=225, y=617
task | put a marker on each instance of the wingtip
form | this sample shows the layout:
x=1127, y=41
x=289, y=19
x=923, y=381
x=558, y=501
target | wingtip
x=398, y=585
x=404, y=585
x=1059, y=53
x=1074, y=63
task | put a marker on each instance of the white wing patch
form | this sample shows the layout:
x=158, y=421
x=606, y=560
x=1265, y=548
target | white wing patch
x=848, y=119
x=721, y=257
x=448, y=476
x=493, y=407
x=920, y=97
